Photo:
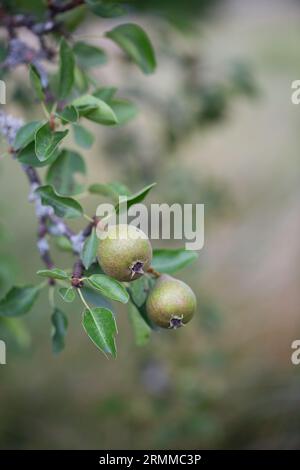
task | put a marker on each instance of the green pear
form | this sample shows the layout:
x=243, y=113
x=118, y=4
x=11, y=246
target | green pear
x=171, y=303
x=125, y=253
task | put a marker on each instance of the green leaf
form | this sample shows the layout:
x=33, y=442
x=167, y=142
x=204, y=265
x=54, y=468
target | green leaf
x=83, y=137
x=89, y=249
x=112, y=190
x=124, y=110
x=18, y=301
x=134, y=198
x=119, y=188
x=81, y=80
x=67, y=294
x=140, y=328
x=63, y=206
x=72, y=18
x=36, y=82
x=139, y=290
x=60, y=325
x=100, y=325
x=93, y=269
x=46, y=141
x=26, y=133
x=61, y=173
x=143, y=312
x=95, y=298
x=28, y=157
x=109, y=287
x=89, y=56
x=96, y=110
x=66, y=70
x=64, y=244
x=68, y=114
x=133, y=40
x=105, y=8
x=54, y=273
x=86, y=103
x=105, y=93
x=172, y=260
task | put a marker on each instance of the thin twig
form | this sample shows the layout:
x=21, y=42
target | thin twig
x=153, y=272
x=49, y=223
x=58, y=8
x=77, y=274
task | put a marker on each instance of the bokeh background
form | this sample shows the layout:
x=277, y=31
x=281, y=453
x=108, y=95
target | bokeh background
x=216, y=126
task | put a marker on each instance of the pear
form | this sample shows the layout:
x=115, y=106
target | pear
x=171, y=303
x=125, y=253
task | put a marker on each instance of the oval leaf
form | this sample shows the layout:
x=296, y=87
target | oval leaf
x=61, y=173
x=105, y=93
x=95, y=298
x=68, y=114
x=135, y=42
x=53, y=273
x=83, y=137
x=170, y=261
x=89, y=249
x=89, y=56
x=63, y=206
x=109, y=287
x=139, y=290
x=46, y=141
x=81, y=80
x=18, y=301
x=63, y=244
x=112, y=190
x=26, y=134
x=124, y=110
x=143, y=312
x=134, y=198
x=140, y=328
x=104, y=8
x=100, y=325
x=60, y=325
x=28, y=157
x=67, y=294
x=66, y=69
x=96, y=110
x=36, y=82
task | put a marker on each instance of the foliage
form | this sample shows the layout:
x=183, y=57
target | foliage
x=68, y=97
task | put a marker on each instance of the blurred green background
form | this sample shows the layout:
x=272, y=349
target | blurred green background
x=216, y=125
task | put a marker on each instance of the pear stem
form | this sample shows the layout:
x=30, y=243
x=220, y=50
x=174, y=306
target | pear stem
x=153, y=272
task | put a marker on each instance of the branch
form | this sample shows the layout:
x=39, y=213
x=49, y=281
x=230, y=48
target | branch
x=77, y=274
x=19, y=51
x=48, y=222
x=12, y=22
x=57, y=8
x=78, y=269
